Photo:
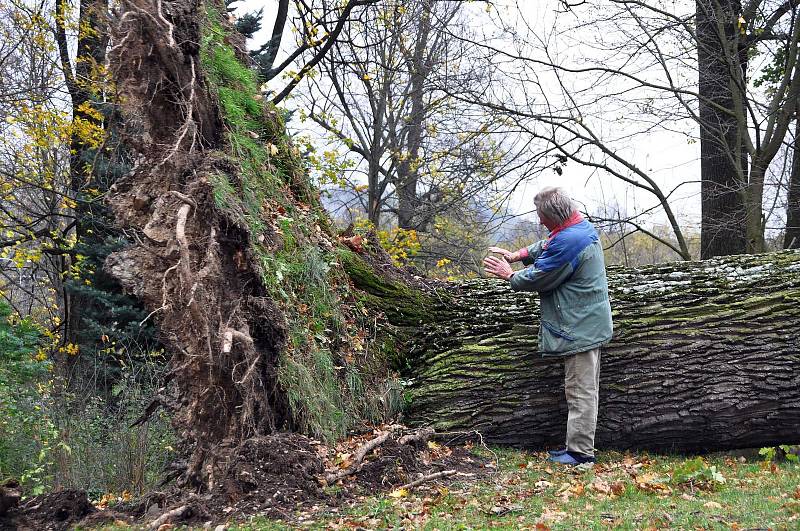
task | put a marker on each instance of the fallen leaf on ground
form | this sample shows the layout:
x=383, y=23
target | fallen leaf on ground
x=651, y=483
x=343, y=460
x=598, y=485
x=712, y=505
x=500, y=510
x=552, y=516
x=398, y=493
x=355, y=243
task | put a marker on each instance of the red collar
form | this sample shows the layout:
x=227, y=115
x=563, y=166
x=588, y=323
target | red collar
x=574, y=219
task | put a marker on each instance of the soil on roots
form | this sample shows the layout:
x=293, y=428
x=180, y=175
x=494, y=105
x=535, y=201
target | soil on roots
x=49, y=512
x=271, y=474
x=279, y=476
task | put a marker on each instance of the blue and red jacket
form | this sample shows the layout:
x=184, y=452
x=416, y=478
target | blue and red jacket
x=568, y=270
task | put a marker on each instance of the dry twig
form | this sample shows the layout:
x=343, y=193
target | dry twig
x=429, y=477
x=358, y=457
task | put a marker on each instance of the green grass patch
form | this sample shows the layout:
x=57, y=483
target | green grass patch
x=527, y=491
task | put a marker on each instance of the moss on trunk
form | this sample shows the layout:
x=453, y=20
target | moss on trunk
x=704, y=356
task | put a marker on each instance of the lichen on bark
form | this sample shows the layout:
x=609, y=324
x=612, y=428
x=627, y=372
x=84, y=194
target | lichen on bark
x=704, y=357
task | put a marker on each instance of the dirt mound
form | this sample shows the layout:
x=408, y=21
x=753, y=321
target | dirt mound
x=49, y=512
x=281, y=474
x=274, y=471
x=395, y=456
x=392, y=465
x=276, y=476
x=9, y=496
x=268, y=475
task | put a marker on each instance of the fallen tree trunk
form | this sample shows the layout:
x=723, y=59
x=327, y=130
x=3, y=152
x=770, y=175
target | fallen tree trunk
x=705, y=355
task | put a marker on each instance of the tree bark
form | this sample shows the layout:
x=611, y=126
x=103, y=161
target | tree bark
x=704, y=356
x=407, y=168
x=722, y=161
x=791, y=237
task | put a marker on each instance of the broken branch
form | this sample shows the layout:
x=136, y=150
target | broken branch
x=167, y=516
x=358, y=457
x=429, y=477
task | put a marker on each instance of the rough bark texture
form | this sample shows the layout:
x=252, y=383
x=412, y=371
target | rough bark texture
x=706, y=355
x=722, y=185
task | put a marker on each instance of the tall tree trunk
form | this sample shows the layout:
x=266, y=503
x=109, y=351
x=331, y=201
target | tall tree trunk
x=376, y=152
x=704, y=356
x=791, y=238
x=408, y=168
x=722, y=163
x=754, y=226
x=274, y=44
x=84, y=90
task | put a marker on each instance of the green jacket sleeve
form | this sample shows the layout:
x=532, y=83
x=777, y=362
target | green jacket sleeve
x=532, y=279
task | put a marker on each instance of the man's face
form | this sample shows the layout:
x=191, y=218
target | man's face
x=545, y=221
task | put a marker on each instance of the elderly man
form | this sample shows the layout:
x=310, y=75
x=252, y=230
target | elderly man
x=568, y=271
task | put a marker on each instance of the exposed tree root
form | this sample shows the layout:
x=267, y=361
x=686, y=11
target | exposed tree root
x=212, y=311
x=167, y=517
x=419, y=436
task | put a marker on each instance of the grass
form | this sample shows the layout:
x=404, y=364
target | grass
x=527, y=492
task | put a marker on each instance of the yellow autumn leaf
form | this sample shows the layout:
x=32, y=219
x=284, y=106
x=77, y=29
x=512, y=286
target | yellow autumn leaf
x=433, y=445
x=399, y=493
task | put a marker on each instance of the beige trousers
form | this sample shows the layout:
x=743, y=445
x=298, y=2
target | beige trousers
x=582, y=386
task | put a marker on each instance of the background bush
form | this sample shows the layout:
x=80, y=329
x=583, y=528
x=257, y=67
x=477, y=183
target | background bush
x=74, y=430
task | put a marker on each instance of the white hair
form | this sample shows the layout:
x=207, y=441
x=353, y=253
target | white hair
x=554, y=204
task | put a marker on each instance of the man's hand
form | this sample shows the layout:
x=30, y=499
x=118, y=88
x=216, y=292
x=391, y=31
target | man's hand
x=497, y=267
x=510, y=256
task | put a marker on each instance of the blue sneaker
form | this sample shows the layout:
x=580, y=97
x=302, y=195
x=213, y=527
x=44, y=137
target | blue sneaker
x=555, y=453
x=571, y=458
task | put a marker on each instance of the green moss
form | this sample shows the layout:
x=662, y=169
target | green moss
x=472, y=347
x=403, y=305
x=366, y=278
